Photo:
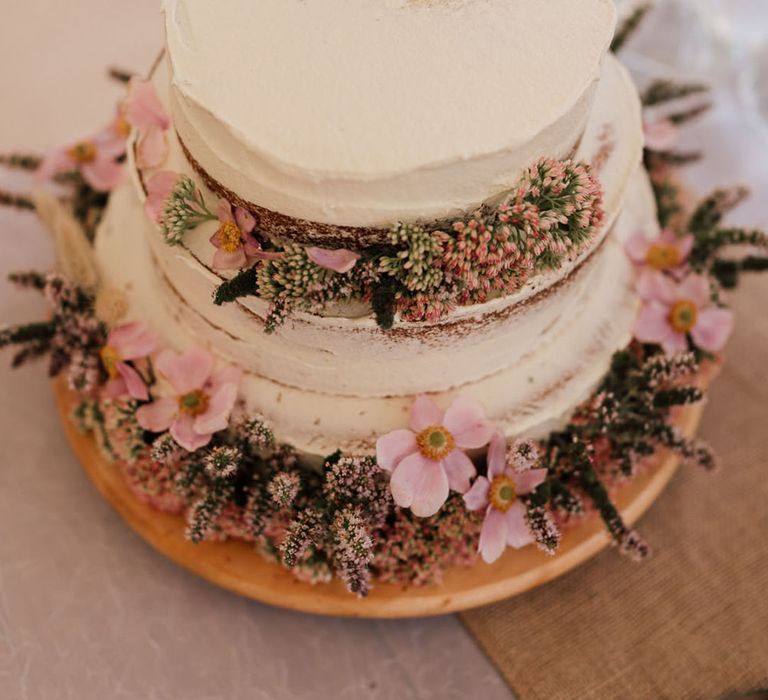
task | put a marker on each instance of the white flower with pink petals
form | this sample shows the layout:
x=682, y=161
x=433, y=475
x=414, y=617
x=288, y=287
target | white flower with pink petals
x=674, y=311
x=428, y=460
x=664, y=252
x=661, y=135
x=95, y=158
x=200, y=402
x=144, y=111
x=497, y=494
x=340, y=260
x=234, y=239
x=131, y=341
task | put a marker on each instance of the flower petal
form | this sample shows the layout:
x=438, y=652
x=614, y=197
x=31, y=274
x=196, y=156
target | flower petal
x=142, y=106
x=653, y=285
x=493, y=536
x=134, y=384
x=185, y=371
x=132, y=340
x=158, y=415
x=244, y=220
x=340, y=260
x=518, y=532
x=424, y=412
x=231, y=374
x=54, y=162
x=392, y=447
x=661, y=135
x=674, y=343
x=477, y=497
x=420, y=484
x=114, y=388
x=466, y=420
x=152, y=149
x=695, y=288
x=184, y=433
x=216, y=415
x=652, y=325
x=459, y=470
x=713, y=329
x=159, y=187
x=529, y=480
x=497, y=455
x=224, y=211
x=637, y=247
x=224, y=260
x=103, y=175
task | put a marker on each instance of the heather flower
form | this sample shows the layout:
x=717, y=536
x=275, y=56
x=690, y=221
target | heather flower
x=523, y=454
x=428, y=460
x=131, y=341
x=143, y=110
x=358, y=481
x=95, y=158
x=199, y=402
x=661, y=135
x=498, y=494
x=283, y=488
x=665, y=252
x=222, y=462
x=340, y=260
x=236, y=245
x=175, y=202
x=673, y=312
x=352, y=549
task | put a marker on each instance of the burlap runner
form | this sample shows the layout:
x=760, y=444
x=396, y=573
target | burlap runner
x=693, y=621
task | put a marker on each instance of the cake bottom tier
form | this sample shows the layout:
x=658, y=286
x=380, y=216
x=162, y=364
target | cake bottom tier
x=531, y=397
x=236, y=565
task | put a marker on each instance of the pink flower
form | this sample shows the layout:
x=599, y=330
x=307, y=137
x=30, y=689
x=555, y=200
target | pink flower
x=200, y=403
x=235, y=240
x=428, y=459
x=664, y=252
x=94, y=158
x=660, y=135
x=674, y=310
x=505, y=523
x=144, y=111
x=340, y=260
x=159, y=188
x=131, y=341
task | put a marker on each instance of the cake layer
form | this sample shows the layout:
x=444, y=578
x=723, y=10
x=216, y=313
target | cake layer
x=336, y=354
x=530, y=398
x=376, y=111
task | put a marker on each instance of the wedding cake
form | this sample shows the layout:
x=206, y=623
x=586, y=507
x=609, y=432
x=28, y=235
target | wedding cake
x=381, y=284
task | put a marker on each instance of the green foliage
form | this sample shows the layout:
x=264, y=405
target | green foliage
x=244, y=283
x=662, y=91
x=629, y=26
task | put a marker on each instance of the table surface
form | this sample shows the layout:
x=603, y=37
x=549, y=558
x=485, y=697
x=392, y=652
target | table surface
x=87, y=610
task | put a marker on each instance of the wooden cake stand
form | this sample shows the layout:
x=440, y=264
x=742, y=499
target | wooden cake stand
x=235, y=565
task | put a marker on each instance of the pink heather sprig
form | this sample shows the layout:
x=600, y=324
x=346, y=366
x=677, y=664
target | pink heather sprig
x=353, y=549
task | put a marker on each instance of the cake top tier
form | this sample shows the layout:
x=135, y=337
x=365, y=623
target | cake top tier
x=366, y=112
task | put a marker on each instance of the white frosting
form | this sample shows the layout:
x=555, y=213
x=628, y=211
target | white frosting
x=530, y=398
x=374, y=111
x=470, y=343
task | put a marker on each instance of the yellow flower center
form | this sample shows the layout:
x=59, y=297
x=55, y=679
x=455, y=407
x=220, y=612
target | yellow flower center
x=435, y=442
x=83, y=152
x=502, y=493
x=194, y=403
x=663, y=256
x=110, y=358
x=683, y=316
x=229, y=236
x=122, y=126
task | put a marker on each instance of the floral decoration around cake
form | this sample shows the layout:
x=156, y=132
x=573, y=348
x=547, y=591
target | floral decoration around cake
x=448, y=485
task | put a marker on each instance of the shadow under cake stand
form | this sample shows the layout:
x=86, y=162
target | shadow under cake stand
x=237, y=566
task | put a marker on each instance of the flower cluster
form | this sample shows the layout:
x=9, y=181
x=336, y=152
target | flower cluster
x=72, y=337
x=423, y=272
x=176, y=204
